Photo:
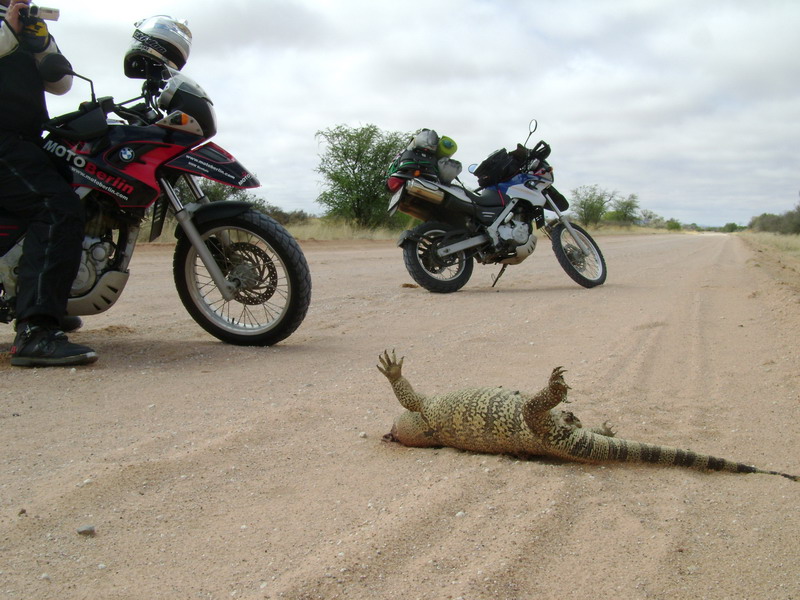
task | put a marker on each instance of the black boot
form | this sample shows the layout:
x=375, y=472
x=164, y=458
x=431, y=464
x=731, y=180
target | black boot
x=38, y=346
x=68, y=323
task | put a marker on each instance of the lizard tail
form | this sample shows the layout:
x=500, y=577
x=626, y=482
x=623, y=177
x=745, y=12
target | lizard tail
x=586, y=446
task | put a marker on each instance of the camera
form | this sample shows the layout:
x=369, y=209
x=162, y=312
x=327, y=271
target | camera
x=39, y=12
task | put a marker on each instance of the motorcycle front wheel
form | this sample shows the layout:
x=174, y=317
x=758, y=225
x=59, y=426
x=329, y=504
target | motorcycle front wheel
x=269, y=269
x=441, y=275
x=589, y=270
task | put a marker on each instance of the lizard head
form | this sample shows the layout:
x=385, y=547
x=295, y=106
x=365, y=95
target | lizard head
x=410, y=429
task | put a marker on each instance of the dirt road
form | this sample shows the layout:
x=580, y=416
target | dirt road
x=211, y=471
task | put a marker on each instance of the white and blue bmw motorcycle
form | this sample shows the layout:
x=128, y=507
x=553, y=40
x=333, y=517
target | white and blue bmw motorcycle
x=493, y=224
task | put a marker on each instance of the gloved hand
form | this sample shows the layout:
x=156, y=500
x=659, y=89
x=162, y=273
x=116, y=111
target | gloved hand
x=34, y=36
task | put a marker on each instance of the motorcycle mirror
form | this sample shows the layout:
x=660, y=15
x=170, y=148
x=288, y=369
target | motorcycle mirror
x=54, y=66
x=472, y=168
x=532, y=127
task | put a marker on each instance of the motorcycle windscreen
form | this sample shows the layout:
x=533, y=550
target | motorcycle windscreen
x=212, y=162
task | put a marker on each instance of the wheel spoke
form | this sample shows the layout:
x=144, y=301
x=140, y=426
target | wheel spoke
x=263, y=287
x=443, y=269
x=442, y=275
x=589, y=270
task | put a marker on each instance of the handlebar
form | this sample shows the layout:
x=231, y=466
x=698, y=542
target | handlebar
x=135, y=115
x=55, y=122
x=89, y=121
x=540, y=151
x=106, y=104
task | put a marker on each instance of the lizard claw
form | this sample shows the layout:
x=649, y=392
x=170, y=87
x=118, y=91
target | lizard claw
x=557, y=386
x=557, y=377
x=605, y=429
x=390, y=366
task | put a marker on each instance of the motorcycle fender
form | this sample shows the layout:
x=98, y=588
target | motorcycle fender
x=406, y=236
x=212, y=162
x=213, y=211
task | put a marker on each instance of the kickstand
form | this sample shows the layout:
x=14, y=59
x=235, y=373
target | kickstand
x=499, y=275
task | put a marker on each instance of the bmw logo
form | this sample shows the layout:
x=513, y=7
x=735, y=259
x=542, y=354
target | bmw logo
x=127, y=154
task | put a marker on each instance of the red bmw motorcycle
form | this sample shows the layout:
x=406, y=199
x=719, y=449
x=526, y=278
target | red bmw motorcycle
x=238, y=272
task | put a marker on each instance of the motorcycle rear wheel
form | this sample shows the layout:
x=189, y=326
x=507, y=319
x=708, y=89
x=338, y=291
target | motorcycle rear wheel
x=270, y=269
x=434, y=273
x=587, y=270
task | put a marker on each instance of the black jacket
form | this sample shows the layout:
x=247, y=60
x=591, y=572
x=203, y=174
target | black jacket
x=22, y=104
x=22, y=100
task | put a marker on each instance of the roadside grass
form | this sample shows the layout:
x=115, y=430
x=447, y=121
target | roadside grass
x=327, y=230
x=605, y=229
x=785, y=244
x=778, y=253
x=319, y=229
x=312, y=229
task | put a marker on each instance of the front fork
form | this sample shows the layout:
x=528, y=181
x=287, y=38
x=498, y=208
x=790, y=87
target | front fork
x=184, y=216
x=567, y=225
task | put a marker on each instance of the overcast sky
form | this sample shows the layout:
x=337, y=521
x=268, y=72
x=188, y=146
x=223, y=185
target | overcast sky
x=692, y=105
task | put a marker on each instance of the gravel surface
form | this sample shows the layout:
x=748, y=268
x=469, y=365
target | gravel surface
x=180, y=467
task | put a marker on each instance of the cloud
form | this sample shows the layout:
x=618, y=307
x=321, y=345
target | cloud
x=694, y=107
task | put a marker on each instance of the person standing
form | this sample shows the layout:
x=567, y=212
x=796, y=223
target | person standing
x=31, y=188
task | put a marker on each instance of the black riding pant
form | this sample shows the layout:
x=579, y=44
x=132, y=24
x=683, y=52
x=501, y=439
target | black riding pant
x=32, y=189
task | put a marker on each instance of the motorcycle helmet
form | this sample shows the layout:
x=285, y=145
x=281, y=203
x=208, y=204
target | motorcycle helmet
x=157, y=42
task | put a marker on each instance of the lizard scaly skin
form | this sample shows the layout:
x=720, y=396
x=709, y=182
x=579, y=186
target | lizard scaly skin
x=496, y=420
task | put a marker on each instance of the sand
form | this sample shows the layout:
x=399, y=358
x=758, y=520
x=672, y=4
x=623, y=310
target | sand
x=211, y=471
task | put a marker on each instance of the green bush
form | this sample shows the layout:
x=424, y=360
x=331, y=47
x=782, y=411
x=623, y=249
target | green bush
x=787, y=223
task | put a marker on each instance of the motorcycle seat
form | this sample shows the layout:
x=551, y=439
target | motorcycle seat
x=487, y=197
